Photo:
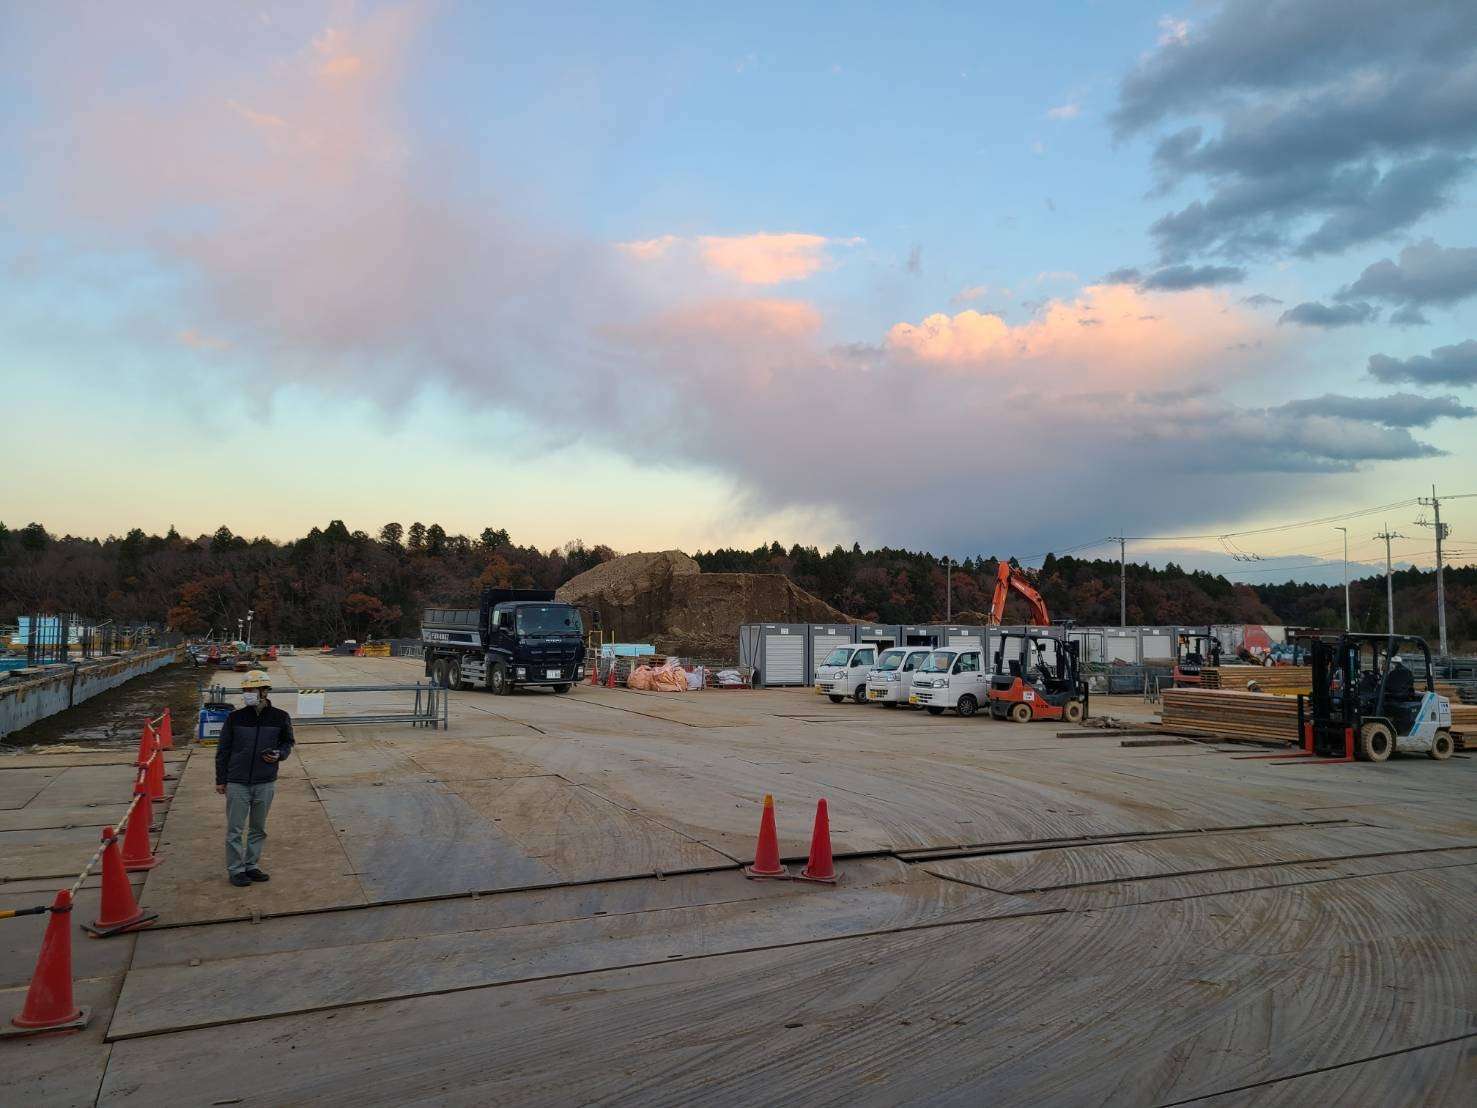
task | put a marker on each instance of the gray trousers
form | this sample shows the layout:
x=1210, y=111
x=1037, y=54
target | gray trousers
x=246, y=824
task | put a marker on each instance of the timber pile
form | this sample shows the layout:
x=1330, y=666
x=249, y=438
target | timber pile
x=1228, y=714
x=1283, y=680
x=1464, y=720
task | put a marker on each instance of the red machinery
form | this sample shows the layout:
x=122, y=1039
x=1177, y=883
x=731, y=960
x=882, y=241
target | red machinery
x=1008, y=580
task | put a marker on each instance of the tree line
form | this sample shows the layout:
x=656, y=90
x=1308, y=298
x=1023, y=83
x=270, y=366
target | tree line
x=334, y=583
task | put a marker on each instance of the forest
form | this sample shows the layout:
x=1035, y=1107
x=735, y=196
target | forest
x=334, y=584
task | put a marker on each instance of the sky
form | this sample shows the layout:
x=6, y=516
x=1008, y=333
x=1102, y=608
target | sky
x=977, y=279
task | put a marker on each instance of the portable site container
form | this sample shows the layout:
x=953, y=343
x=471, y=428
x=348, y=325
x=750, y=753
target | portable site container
x=776, y=652
x=1090, y=643
x=1122, y=645
x=883, y=634
x=1156, y=644
x=967, y=636
x=920, y=634
x=825, y=637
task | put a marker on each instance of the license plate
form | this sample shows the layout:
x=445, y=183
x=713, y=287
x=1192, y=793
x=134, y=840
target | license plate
x=875, y=694
x=912, y=698
x=820, y=690
x=551, y=673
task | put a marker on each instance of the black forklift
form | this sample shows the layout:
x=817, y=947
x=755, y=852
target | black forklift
x=1365, y=704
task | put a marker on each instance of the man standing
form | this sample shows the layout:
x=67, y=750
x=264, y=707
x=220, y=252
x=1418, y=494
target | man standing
x=254, y=740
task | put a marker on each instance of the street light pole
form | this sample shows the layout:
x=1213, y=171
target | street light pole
x=1348, y=624
x=1387, y=535
x=250, y=612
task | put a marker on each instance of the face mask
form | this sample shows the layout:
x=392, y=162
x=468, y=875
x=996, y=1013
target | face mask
x=250, y=698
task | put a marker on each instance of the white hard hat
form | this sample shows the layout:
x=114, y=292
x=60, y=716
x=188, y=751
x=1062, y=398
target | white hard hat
x=1395, y=659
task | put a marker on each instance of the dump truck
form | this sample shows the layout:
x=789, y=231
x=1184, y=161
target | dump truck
x=513, y=638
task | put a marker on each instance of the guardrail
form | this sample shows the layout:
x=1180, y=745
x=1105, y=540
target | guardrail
x=428, y=709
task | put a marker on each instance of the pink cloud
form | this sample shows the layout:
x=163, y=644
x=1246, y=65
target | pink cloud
x=762, y=258
x=1110, y=335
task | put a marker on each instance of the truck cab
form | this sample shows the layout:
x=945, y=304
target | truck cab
x=951, y=679
x=844, y=671
x=892, y=681
x=513, y=638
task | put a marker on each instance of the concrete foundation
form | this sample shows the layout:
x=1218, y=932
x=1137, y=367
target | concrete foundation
x=26, y=699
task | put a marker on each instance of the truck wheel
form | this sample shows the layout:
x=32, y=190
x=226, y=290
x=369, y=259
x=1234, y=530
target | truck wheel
x=561, y=688
x=430, y=664
x=1441, y=746
x=860, y=696
x=1374, y=743
x=438, y=672
x=1020, y=713
x=934, y=710
x=1072, y=713
x=499, y=682
x=967, y=705
x=453, y=675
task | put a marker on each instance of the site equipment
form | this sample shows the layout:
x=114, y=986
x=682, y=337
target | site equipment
x=1042, y=682
x=1009, y=579
x=1365, y=703
x=955, y=679
x=892, y=681
x=844, y=671
x=1194, y=649
x=513, y=637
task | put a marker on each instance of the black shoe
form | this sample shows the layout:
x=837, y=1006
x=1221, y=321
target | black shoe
x=240, y=880
x=258, y=875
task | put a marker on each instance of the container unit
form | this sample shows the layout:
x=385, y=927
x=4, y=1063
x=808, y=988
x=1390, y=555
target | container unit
x=967, y=636
x=920, y=634
x=1156, y=645
x=1091, y=646
x=1121, y=645
x=823, y=638
x=882, y=634
x=776, y=652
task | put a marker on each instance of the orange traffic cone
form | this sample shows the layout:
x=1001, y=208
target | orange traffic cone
x=166, y=732
x=145, y=745
x=49, y=1005
x=154, y=772
x=610, y=680
x=119, y=911
x=767, y=854
x=138, y=851
x=820, y=867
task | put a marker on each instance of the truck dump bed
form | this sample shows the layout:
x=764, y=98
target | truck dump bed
x=461, y=619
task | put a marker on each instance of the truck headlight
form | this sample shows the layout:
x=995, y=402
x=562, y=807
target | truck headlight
x=893, y=677
x=520, y=672
x=579, y=671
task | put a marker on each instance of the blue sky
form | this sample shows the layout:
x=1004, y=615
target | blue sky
x=714, y=278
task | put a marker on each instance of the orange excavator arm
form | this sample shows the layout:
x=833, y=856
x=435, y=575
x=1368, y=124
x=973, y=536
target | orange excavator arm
x=1008, y=580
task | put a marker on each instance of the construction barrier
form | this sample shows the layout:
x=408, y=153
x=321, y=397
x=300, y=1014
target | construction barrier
x=429, y=707
x=49, y=1003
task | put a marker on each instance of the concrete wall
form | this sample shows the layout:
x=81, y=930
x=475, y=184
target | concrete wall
x=25, y=699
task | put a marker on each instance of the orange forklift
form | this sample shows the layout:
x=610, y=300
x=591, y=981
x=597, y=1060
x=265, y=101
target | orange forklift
x=1195, y=648
x=1043, y=680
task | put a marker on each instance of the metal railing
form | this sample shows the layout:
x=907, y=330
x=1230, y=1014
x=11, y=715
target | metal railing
x=429, y=707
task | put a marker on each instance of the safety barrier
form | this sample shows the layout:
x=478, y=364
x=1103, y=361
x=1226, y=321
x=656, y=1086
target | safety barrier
x=429, y=707
x=50, y=1004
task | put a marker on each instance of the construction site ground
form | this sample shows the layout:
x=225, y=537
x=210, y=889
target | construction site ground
x=544, y=905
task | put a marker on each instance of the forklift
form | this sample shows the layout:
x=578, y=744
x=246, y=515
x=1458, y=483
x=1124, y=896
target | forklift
x=1365, y=704
x=1195, y=648
x=1042, y=682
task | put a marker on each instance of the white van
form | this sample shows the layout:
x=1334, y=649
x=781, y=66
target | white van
x=956, y=679
x=891, y=681
x=844, y=672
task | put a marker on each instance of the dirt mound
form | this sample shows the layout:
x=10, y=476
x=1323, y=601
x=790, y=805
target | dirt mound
x=629, y=576
x=665, y=600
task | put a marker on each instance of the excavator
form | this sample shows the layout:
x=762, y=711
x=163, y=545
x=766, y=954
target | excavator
x=1043, y=680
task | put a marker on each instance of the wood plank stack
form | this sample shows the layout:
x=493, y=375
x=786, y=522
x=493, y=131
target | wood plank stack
x=1464, y=722
x=1281, y=680
x=1229, y=714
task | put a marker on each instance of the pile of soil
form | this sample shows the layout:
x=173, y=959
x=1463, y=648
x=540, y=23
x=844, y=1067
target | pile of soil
x=664, y=599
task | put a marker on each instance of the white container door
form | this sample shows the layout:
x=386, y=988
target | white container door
x=784, y=657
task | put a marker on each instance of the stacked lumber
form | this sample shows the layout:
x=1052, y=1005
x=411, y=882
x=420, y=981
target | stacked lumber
x=1282, y=680
x=1464, y=720
x=1228, y=714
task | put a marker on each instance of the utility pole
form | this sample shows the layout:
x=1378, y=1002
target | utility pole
x=1442, y=530
x=1348, y=624
x=1122, y=582
x=1387, y=535
x=948, y=589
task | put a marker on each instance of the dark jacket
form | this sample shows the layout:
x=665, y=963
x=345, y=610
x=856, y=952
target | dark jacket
x=245, y=736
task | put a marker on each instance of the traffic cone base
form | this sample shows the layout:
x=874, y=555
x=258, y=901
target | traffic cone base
x=49, y=1005
x=767, y=853
x=820, y=867
x=119, y=911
